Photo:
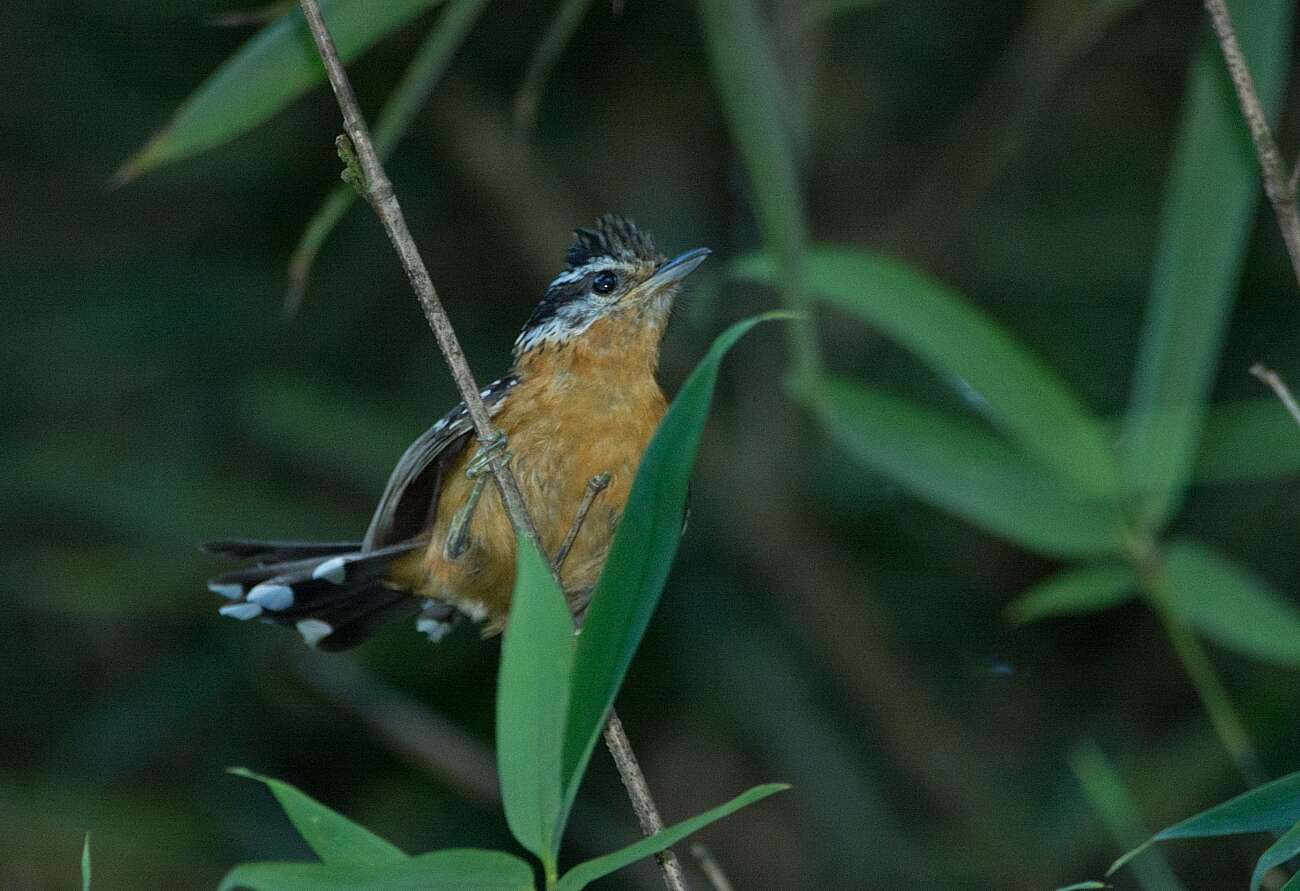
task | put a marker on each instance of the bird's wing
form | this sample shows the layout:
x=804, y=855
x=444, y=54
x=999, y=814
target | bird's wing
x=410, y=500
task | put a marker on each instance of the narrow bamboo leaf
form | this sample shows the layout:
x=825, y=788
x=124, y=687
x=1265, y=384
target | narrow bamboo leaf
x=1084, y=886
x=557, y=37
x=532, y=702
x=585, y=873
x=1272, y=807
x=1278, y=853
x=1083, y=589
x=1249, y=440
x=1002, y=379
x=1111, y=801
x=336, y=840
x=639, y=559
x=1210, y=198
x=464, y=869
x=267, y=73
x=407, y=98
x=85, y=864
x=960, y=468
x=1228, y=604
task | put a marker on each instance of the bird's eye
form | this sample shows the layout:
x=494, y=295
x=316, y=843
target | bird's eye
x=604, y=283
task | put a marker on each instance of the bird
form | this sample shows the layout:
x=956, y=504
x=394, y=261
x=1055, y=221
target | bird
x=576, y=412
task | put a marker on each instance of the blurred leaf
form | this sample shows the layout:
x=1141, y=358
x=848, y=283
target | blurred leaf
x=1293, y=884
x=85, y=864
x=1230, y=605
x=1084, y=886
x=547, y=53
x=532, y=702
x=1021, y=395
x=640, y=558
x=464, y=869
x=585, y=873
x=268, y=72
x=1248, y=440
x=336, y=840
x=1272, y=807
x=1209, y=207
x=958, y=467
x=418, y=81
x=1082, y=589
x=1277, y=854
x=1105, y=792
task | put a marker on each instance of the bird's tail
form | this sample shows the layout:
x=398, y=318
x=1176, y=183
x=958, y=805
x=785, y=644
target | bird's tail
x=332, y=592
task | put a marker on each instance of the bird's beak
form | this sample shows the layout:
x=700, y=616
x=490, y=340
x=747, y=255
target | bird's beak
x=671, y=273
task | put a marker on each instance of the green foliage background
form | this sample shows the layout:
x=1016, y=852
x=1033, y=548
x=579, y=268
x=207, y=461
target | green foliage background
x=823, y=624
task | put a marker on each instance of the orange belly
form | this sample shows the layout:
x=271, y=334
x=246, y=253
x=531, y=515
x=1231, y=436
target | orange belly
x=562, y=430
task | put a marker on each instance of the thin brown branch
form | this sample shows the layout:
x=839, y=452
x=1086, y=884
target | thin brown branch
x=595, y=486
x=711, y=869
x=1279, y=183
x=1278, y=386
x=378, y=191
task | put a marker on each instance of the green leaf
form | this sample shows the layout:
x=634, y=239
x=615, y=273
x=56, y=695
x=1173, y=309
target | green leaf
x=421, y=76
x=464, y=869
x=85, y=864
x=335, y=839
x=1083, y=589
x=1018, y=393
x=1249, y=440
x=640, y=558
x=532, y=702
x=268, y=72
x=952, y=464
x=1272, y=807
x=1228, y=604
x=1084, y=886
x=585, y=873
x=1278, y=853
x=1210, y=198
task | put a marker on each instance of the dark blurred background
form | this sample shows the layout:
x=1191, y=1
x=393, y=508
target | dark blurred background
x=821, y=627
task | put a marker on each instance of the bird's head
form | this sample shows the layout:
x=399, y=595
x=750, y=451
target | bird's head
x=615, y=276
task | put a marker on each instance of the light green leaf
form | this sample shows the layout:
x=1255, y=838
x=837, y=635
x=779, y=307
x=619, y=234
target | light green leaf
x=335, y=839
x=1084, y=886
x=1210, y=198
x=1278, y=853
x=639, y=559
x=418, y=81
x=1018, y=393
x=85, y=864
x=464, y=869
x=1272, y=807
x=1228, y=604
x=1083, y=589
x=1293, y=884
x=532, y=702
x=268, y=72
x=952, y=464
x=585, y=873
x=1249, y=440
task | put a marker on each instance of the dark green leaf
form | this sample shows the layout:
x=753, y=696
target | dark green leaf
x=639, y=559
x=1272, y=807
x=586, y=873
x=547, y=53
x=532, y=702
x=1021, y=395
x=462, y=869
x=1228, y=604
x=85, y=864
x=956, y=466
x=1210, y=198
x=1278, y=853
x=419, y=79
x=336, y=840
x=1083, y=589
x=267, y=73
x=1248, y=440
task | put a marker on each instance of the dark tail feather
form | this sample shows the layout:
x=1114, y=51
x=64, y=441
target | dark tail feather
x=278, y=551
x=335, y=599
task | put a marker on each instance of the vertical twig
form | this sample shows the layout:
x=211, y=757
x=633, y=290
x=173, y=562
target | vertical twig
x=1279, y=387
x=712, y=871
x=378, y=191
x=1279, y=183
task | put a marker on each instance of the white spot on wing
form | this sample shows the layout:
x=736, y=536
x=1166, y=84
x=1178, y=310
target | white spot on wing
x=314, y=630
x=272, y=596
x=226, y=590
x=241, y=610
x=333, y=570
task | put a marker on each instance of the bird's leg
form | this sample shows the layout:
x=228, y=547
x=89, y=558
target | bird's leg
x=595, y=486
x=478, y=470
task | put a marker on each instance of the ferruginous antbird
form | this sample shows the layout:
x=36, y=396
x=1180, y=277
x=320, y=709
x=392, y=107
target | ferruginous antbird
x=577, y=409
